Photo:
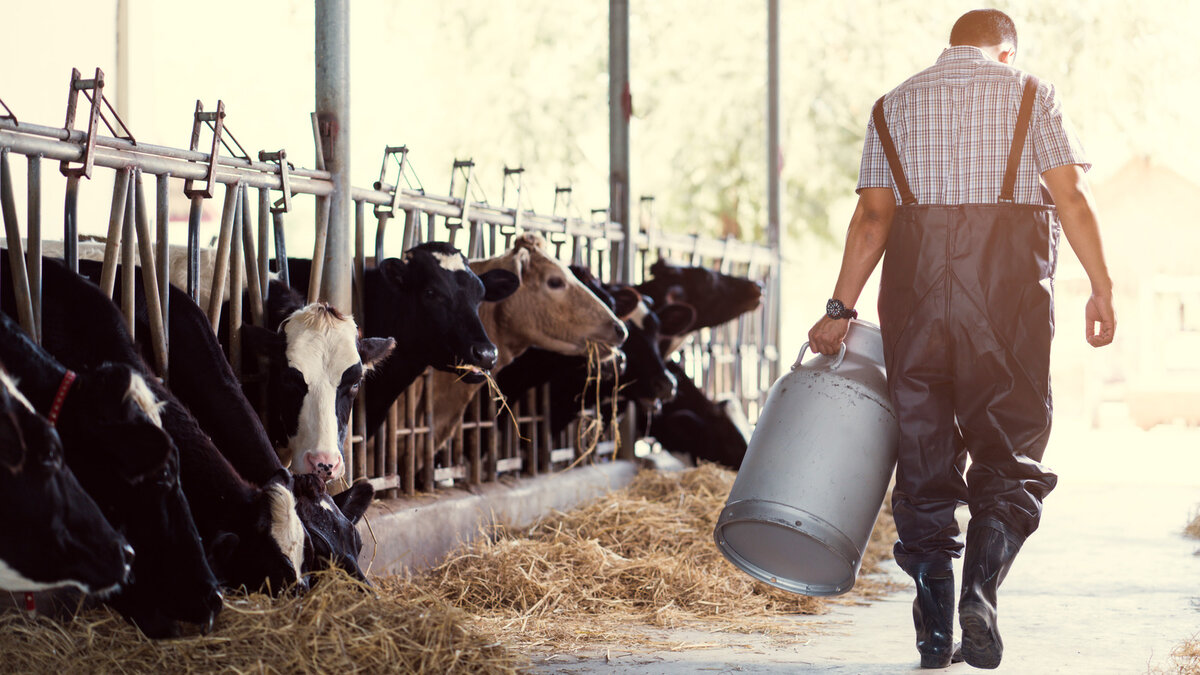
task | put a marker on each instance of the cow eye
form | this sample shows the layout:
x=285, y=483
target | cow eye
x=555, y=282
x=165, y=478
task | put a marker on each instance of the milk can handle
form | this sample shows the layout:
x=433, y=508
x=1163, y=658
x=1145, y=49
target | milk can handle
x=836, y=362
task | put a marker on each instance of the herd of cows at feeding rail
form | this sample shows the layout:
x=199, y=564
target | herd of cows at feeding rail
x=154, y=494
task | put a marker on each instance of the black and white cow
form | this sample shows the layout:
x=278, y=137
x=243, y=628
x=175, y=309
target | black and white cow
x=694, y=425
x=316, y=364
x=113, y=441
x=52, y=534
x=202, y=379
x=330, y=522
x=252, y=532
x=716, y=297
x=428, y=300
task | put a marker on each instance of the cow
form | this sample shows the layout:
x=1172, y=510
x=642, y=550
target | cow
x=202, y=380
x=694, y=425
x=52, y=534
x=644, y=379
x=315, y=365
x=428, y=300
x=252, y=532
x=113, y=441
x=716, y=297
x=330, y=521
x=551, y=309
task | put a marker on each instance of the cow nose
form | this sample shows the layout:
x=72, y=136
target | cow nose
x=127, y=555
x=620, y=332
x=484, y=356
x=664, y=388
x=326, y=465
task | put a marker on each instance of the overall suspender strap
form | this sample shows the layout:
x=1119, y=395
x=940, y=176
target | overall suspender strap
x=1018, y=142
x=889, y=149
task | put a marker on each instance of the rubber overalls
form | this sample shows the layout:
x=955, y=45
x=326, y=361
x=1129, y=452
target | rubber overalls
x=967, y=314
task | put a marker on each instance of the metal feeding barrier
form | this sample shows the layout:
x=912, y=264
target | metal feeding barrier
x=737, y=360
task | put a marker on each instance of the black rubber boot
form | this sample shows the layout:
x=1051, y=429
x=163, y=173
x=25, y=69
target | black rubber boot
x=933, y=612
x=990, y=554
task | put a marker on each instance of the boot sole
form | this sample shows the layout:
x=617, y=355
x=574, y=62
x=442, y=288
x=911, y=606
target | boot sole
x=980, y=647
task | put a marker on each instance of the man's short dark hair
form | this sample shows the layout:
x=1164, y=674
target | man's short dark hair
x=983, y=28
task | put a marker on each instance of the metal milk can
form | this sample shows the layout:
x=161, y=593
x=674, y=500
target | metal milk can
x=811, y=486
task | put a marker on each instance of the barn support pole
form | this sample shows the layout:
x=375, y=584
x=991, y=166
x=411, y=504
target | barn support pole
x=162, y=262
x=332, y=21
x=150, y=278
x=774, y=166
x=20, y=278
x=71, y=223
x=34, y=249
x=620, y=108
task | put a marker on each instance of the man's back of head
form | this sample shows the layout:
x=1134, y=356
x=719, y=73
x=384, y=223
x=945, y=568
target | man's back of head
x=984, y=28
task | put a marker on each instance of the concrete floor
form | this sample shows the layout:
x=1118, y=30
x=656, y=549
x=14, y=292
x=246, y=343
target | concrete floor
x=1107, y=585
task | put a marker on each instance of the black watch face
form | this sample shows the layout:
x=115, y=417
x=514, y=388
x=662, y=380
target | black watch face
x=834, y=308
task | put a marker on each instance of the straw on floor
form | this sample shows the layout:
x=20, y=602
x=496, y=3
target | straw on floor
x=338, y=627
x=644, y=554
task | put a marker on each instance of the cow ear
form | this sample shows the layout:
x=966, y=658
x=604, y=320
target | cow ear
x=354, y=502
x=259, y=340
x=147, y=448
x=498, y=284
x=660, y=267
x=676, y=318
x=374, y=350
x=627, y=301
x=393, y=270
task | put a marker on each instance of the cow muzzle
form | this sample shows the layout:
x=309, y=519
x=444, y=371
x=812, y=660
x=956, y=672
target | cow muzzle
x=326, y=465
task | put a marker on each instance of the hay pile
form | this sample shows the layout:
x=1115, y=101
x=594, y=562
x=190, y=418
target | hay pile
x=1193, y=528
x=1185, y=659
x=644, y=554
x=336, y=628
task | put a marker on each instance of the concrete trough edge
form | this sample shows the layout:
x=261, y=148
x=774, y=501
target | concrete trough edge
x=413, y=534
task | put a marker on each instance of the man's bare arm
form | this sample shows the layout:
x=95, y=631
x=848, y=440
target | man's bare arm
x=1073, y=197
x=866, y=239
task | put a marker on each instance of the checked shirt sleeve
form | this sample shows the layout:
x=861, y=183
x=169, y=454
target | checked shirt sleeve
x=874, y=171
x=1055, y=142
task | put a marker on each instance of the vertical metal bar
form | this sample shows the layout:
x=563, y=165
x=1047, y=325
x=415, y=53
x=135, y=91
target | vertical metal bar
x=430, y=448
x=360, y=257
x=116, y=217
x=20, y=277
x=221, y=264
x=281, y=263
x=620, y=102
x=250, y=254
x=380, y=229
x=410, y=227
x=150, y=278
x=264, y=220
x=162, y=263
x=128, y=261
x=193, y=247
x=236, y=282
x=391, y=465
x=773, y=169
x=71, y=223
x=332, y=20
x=358, y=449
x=315, y=280
x=34, y=250
x=410, y=443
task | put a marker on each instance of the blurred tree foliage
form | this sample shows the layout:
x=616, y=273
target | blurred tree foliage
x=530, y=76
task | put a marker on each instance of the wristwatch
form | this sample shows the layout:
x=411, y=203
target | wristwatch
x=834, y=309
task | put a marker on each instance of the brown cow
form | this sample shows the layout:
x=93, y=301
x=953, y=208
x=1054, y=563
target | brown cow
x=551, y=309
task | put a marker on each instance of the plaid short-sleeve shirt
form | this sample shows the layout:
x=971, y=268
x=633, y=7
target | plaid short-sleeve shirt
x=952, y=124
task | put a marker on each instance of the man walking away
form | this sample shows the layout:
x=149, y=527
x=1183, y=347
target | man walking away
x=953, y=184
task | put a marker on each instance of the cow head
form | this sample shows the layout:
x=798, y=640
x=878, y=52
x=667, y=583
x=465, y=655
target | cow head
x=433, y=281
x=695, y=425
x=130, y=466
x=51, y=532
x=330, y=523
x=268, y=551
x=716, y=297
x=317, y=362
x=647, y=379
x=552, y=309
